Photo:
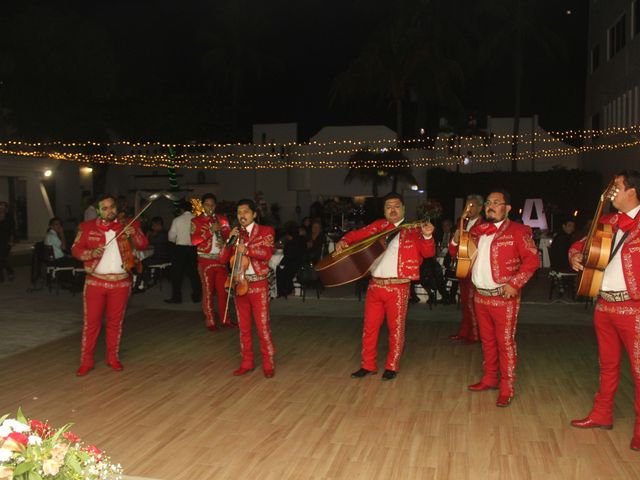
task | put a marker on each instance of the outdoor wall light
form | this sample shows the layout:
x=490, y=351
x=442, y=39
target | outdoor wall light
x=414, y=187
x=48, y=173
x=87, y=170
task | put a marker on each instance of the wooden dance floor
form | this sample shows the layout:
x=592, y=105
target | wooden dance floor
x=177, y=413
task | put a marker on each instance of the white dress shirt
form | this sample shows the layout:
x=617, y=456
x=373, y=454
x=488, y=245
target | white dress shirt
x=481, y=275
x=111, y=261
x=613, y=280
x=249, y=229
x=387, y=265
x=180, y=231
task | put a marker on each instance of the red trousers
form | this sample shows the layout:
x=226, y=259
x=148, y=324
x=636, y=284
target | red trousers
x=497, y=318
x=617, y=325
x=469, y=323
x=392, y=301
x=103, y=297
x=212, y=276
x=255, y=303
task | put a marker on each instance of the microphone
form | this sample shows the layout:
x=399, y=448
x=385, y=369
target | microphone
x=232, y=240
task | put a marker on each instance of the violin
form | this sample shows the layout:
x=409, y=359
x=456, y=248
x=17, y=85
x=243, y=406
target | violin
x=237, y=282
x=597, y=249
x=130, y=262
x=466, y=248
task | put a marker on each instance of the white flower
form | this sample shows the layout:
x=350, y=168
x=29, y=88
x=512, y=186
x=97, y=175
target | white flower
x=16, y=425
x=5, y=454
x=35, y=440
x=4, y=431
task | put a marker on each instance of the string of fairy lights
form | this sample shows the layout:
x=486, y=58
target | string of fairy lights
x=440, y=151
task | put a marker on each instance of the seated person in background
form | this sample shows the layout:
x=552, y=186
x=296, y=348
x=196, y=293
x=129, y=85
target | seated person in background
x=559, y=249
x=316, y=242
x=294, y=255
x=56, y=240
x=159, y=241
x=443, y=236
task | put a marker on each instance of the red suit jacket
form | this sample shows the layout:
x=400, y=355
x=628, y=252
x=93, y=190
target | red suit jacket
x=91, y=235
x=514, y=255
x=259, y=249
x=201, y=235
x=629, y=253
x=413, y=246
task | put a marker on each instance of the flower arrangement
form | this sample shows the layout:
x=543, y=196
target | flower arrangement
x=431, y=209
x=33, y=450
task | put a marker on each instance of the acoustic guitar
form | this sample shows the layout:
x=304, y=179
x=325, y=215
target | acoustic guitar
x=467, y=250
x=597, y=249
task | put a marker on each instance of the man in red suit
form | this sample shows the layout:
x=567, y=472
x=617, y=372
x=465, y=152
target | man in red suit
x=256, y=242
x=391, y=276
x=617, y=313
x=506, y=259
x=107, y=285
x=209, y=232
x=468, y=325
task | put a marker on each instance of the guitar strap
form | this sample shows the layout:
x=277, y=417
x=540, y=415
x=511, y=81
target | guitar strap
x=393, y=235
x=618, y=246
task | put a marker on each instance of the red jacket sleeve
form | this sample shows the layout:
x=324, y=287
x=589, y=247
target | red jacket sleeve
x=79, y=249
x=199, y=230
x=355, y=236
x=427, y=247
x=263, y=248
x=528, y=256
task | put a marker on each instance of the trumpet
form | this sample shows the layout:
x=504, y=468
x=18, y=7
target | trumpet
x=197, y=209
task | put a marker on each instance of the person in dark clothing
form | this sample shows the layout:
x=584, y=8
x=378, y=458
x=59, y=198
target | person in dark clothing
x=316, y=243
x=7, y=237
x=559, y=249
x=184, y=260
x=294, y=255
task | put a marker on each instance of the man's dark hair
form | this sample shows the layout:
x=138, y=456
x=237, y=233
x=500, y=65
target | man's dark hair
x=392, y=196
x=53, y=220
x=103, y=197
x=631, y=180
x=207, y=196
x=248, y=202
x=505, y=194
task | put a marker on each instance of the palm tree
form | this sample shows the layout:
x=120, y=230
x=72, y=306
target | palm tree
x=401, y=58
x=373, y=167
x=521, y=31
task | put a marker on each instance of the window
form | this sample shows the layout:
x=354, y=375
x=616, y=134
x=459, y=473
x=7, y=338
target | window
x=595, y=57
x=617, y=36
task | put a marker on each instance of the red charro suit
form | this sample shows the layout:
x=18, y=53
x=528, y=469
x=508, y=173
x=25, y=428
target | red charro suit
x=617, y=324
x=468, y=324
x=213, y=272
x=390, y=299
x=260, y=246
x=103, y=293
x=514, y=259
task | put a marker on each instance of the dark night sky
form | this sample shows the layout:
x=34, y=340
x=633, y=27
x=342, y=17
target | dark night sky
x=160, y=69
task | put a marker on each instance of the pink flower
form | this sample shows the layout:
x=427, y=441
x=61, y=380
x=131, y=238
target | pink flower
x=51, y=467
x=6, y=473
x=16, y=442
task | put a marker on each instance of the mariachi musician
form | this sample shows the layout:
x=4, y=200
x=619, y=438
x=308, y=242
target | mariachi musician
x=255, y=244
x=391, y=277
x=506, y=259
x=209, y=232
x=468, y=331
x=617, y=313
x=108, y=264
